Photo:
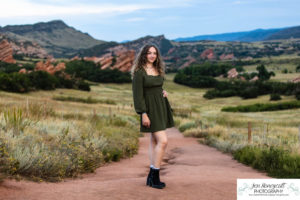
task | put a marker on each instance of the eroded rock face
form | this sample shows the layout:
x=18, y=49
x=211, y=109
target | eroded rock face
x=33, y=50
x=296, y=80
x=49, y=67
x=255, y=78
x=119, y=58
x=232, y=73
x=208, y=54
x=227, y=56
x=189, y=61
x=6, y=52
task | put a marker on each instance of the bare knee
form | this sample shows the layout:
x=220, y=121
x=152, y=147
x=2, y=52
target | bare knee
x=164, y=143
x=161, y=139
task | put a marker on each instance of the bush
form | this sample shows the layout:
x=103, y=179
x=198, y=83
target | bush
x=298, y=68
x=90, y=71
x=82, y=85
x=88, y=100
x=276, y=161
x=275, y=97
x=250, y=92
x=43, y=80
x=298, y=96
x=38, y=80
x=263, y=107
x=187, y=126
x=197, y=81
x=251, y=89
x=284, y=71
x=14, y=82
x=263, y=73
x=201, y=76
x=51, y=150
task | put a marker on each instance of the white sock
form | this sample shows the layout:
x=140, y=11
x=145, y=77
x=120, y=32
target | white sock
x=155, y=168
x=151, y=166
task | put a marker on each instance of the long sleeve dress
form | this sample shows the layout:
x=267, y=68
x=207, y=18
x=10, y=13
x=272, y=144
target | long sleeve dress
x=148, y=97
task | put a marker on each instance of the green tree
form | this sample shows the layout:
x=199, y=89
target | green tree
x=298, y=68
x=263, y=73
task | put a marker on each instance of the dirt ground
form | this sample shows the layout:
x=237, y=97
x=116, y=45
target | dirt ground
x=190, y=171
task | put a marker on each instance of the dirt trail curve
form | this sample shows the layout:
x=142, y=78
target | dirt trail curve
x=190, y=170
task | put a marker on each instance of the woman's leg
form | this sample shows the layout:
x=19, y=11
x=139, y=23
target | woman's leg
x=151, y=148
x=159, y=150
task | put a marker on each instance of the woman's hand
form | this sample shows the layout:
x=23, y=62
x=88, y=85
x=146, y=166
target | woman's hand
x=145, y=120
x=165, y=94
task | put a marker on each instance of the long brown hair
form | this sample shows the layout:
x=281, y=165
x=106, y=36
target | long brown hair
x=141, y=60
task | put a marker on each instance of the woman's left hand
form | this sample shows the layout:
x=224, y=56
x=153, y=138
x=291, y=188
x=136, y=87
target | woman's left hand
x=165, y=94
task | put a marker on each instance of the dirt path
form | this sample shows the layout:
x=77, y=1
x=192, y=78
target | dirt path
x=190, y=170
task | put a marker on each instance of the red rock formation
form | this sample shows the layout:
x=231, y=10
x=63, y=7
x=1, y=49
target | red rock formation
x=296, y=80
x=242, y=78
x=75, y=58
x=94, y=59
x=23, y=71
x=232, y=73
x=255, y=78
x=6, y=52
x=49, y=67
x=171, y=50
x=22, y=47
x=208, y=54
x=119, y=58
x=227, y=56
x=189, y=61
x=124, y=60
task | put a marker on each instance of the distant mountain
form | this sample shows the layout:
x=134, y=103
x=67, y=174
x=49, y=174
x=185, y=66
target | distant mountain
x=248, y=36
x=160, y=41
x=293, y=32
x=55, y=36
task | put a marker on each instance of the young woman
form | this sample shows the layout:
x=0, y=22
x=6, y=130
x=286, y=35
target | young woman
x=150, y=101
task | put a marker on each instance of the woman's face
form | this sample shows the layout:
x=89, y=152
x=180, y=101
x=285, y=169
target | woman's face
x=151, y=55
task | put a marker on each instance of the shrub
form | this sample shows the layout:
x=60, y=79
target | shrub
x=263, y=73
x=275, y=97
x=14, y=120
x=90, y=71
x=187, y=126
x=50, y=151
x=276, y=161
x=263, y=107
x=88, y=100
x=298, y=68
x=284, y=71
x=83, y=86
x=250, y=92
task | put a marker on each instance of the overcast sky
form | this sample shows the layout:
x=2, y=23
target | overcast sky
x=119, y=20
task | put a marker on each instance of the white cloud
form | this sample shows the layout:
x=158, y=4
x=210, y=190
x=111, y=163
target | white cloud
x=14, y=8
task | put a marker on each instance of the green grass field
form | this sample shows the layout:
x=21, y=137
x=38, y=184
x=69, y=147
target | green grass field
x=110, y=131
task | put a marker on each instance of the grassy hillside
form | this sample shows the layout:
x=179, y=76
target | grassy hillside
x=55, y=36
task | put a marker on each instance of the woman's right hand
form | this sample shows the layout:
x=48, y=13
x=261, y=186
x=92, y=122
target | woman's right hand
x=145, y=120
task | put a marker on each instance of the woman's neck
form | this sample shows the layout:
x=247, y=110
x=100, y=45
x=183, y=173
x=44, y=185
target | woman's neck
x=149, y=65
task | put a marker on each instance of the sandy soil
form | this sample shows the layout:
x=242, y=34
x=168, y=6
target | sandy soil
x=190, y=171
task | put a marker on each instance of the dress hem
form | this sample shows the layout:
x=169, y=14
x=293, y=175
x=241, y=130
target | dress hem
x=149, y=131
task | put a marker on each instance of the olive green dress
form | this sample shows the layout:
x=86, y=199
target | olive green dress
x=148, y=97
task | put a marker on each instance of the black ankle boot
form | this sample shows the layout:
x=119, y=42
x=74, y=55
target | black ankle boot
x=154, y=180
x=149, y=175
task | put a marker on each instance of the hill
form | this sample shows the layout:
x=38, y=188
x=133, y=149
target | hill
x=249, y=36
x=293, y=32
x=55, y=36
